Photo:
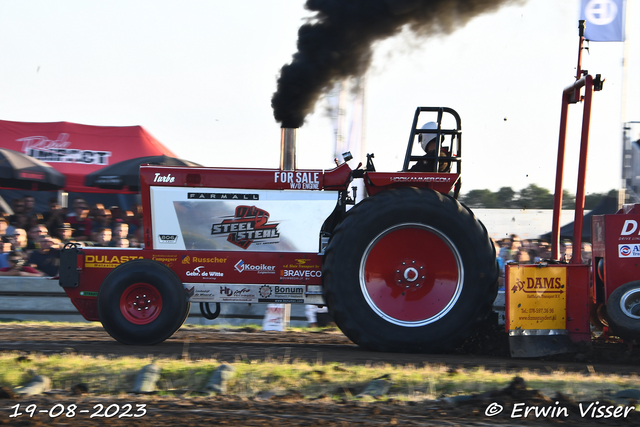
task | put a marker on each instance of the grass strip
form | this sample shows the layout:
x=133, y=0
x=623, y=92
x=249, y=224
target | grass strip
x=106, y=375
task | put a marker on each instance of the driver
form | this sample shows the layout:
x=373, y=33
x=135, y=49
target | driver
x=428, y=144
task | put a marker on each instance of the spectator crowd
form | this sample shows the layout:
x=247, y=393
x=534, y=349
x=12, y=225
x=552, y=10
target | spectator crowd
x=531, y=251
x=31, y=241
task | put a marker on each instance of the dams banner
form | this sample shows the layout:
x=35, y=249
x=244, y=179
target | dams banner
x=76, y=150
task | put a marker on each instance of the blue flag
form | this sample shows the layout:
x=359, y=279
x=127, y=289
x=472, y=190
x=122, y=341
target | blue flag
x=604, y=20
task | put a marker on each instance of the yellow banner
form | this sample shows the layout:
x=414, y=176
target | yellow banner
x=537, y=297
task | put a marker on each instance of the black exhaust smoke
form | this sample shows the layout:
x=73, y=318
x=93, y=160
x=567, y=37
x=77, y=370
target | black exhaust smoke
x=337, y=43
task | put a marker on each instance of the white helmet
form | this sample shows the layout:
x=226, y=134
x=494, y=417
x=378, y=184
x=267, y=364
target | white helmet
x=425, y=138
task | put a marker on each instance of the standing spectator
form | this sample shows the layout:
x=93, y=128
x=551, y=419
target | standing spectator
x=103, y=237
x=102, y=220
x=133, y=241
x=17, y=267
x=54, y=217
x=116, y=213
x=120, y=231
x=65, y=231
x=17, y=205
x=77, y=206
x=120, y=243
x=29, y=205
x=80, y=221
x=33, y=237
x=46, y=258
x=5, y=247
x=4, y=224
x=135, y=222
x=19, y=245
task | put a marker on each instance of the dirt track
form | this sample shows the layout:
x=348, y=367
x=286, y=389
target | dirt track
x=325, y=346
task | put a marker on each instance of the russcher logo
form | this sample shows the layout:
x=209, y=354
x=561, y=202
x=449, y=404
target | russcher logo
x=186, y=259
x=107, y=261
x=300, y=273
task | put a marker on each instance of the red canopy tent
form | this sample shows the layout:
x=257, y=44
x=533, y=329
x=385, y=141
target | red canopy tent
x=77, y=150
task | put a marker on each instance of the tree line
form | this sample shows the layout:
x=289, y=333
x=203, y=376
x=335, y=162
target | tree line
x=531, y=197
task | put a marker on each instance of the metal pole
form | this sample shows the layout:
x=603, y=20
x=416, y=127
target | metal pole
x=288, y=149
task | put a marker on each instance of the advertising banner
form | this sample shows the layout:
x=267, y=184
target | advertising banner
x=239, y=220
x=537, y=297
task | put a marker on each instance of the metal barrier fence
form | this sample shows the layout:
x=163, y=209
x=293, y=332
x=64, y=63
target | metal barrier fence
x=40, y=298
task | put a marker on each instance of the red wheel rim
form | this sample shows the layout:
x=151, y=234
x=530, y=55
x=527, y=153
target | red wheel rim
x=411, y=275
x=141, y=303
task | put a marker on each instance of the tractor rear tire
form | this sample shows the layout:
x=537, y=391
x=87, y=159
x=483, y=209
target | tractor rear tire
x=623, y=311
x=142, y=302
x=409, y=270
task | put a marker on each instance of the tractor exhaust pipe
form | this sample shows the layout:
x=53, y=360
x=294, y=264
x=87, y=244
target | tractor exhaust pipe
x=288, y=149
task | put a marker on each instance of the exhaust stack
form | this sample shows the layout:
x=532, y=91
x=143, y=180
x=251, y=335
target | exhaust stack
x=288, y=149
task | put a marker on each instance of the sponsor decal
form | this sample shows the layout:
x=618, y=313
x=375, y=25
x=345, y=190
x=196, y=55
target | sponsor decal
x=419, y=179
x=221, y=293
x=265, y=291
x=299, y=180
x=168, y=238
x=88, y=294
x=239, y=293
x=537, y=297
x=164, y=178
x=212, y=260
x=58, y=151
x=31, y=175
x=201, y=272
x=247, y=226
x=186, y=259
x=629, y=251
x=223, y=196
x=281, y=294
x=302, y=263
x=242, y=267
x=300, y=274
x=534, y=285
x=165, y=259
x=630, y=231
x=107, y=261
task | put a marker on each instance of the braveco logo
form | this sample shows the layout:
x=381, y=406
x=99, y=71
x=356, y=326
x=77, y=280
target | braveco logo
x=241, y=267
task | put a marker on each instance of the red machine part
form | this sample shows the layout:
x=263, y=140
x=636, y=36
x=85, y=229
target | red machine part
x=616, y=251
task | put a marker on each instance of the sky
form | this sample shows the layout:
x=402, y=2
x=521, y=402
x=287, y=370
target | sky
x=199, y=76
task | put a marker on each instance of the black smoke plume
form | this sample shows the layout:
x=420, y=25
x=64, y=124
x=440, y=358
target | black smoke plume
x=337, y=43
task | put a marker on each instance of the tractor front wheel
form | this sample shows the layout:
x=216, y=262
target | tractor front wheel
x=142, y=302
x=409, y=270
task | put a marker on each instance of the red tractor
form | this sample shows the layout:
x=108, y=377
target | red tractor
x=408, y=269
